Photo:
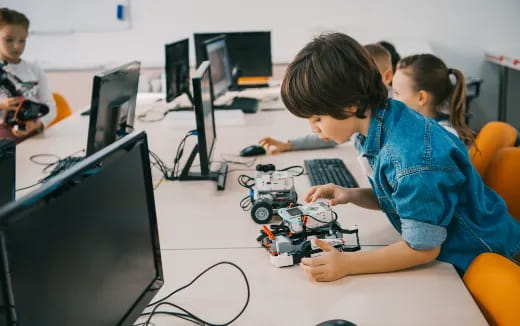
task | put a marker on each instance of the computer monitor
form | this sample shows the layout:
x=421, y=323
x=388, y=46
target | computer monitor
x=177, y=69
x=206, y=131
x=83, y=249
x=216, y=52
x=7, y=170
x=112, y=108
x=250, y=52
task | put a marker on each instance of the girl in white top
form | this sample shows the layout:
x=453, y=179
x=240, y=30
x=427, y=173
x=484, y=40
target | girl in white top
x=423, y=82
x=14, y=27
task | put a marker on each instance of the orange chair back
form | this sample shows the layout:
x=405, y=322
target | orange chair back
x=62, y=108
x=493, y=136
x=503, y=176
x=494, y=283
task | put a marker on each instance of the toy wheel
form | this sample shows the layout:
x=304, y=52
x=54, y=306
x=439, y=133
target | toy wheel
x=262, y=212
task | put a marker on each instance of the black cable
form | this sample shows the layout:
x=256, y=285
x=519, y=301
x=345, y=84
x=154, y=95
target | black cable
x=162, y=301
x=246, y=203
x=23, y=188
x=246, y=181
x=294, y=167
x=178, y=155
x=157, y=162
x=334, y=219
x=32, y=158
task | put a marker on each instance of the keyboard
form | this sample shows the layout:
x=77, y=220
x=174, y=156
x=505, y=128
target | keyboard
x=63, y=165
x=323, y=171
x=246, y=104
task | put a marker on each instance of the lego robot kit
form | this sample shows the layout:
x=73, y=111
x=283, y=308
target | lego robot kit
x=272, y=192
x=287, y=243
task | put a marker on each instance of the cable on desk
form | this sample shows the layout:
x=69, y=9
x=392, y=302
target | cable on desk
x=187, y=315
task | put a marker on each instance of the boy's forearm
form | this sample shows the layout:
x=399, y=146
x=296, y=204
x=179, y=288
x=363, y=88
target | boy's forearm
x=364, y=197
x=391, y=258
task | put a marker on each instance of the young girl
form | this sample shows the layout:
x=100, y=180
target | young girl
x=14, y=27
x=420, y=175
x=383, y=60
x=423, y=83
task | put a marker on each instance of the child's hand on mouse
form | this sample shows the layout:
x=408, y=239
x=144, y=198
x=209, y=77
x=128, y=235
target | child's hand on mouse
x=275, y=146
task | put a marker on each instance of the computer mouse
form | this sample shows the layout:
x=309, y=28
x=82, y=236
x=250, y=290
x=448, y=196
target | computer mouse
x=336, y=322
x=252, y=150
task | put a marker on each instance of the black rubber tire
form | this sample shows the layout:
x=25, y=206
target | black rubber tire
x=262, y=212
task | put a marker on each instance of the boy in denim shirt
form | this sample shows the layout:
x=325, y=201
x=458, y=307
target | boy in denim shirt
x=421, y=175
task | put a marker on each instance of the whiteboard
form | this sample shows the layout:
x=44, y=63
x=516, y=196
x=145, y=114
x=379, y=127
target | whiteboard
x=70, y=16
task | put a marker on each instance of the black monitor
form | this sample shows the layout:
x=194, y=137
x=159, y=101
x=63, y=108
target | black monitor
x=216, y=52
x=177, y=69
x=7, y=170
x=83, y=249
x=249, y=52
x=206, y=131
x=112, y=108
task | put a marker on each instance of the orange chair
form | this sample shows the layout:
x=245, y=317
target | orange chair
x=494, y=283
x=62, y=108
x=493, y=136
x=503, y=176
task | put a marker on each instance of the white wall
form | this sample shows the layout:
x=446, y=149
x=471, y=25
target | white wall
x=458, y=31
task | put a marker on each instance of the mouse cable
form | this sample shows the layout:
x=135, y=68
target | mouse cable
x=188, y=315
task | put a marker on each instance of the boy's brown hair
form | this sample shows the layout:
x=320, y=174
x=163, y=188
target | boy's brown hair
x=13, y=17
x=329, y=74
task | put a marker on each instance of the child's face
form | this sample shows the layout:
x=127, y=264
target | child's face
x=404, y=91
x=329, y=128
x=12, y=42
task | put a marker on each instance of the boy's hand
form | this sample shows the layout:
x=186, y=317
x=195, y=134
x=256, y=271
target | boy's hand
x=274, y=146
x=10, y=103
x=330, y=266
x=30, y=127
x=336, y=194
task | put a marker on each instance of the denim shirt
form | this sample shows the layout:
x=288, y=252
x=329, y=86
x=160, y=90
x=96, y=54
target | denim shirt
x=426, y=185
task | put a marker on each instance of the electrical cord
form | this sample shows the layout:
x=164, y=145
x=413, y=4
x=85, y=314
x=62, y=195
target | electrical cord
x=187, y=314
x=178, y=155
x=292, y=167
x=246, y=181
x=334, y=219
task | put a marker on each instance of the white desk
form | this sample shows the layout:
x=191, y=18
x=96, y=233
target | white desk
x=429, y=295
x=199, y=226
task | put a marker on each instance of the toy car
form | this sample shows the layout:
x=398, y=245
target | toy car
x=290, y=241
x=272, y=190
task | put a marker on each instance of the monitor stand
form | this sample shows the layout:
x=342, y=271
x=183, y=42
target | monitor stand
x=219, y=176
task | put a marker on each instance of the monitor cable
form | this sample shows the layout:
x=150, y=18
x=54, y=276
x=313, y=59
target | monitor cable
x=186, y=314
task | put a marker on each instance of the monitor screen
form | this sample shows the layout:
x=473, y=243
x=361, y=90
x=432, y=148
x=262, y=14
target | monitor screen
x=249, y=51
x=83, y=249
x=177, y=69
x=112, y=107
x=216, y=52
x=7, y=170
x=204, y=115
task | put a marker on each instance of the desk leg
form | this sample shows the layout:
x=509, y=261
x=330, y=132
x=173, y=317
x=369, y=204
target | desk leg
x=502, y=93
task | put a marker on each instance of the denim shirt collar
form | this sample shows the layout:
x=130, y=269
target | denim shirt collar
x=371, y=144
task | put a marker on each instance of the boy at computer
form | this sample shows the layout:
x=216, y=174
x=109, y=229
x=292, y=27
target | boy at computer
x=14, y=27
x=420, y=174
x=383, y=62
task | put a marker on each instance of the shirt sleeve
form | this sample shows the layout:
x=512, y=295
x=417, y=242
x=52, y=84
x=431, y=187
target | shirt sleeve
x=311, y=141
x=45, y=96
x=425, y=201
